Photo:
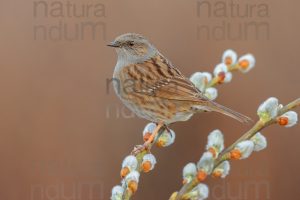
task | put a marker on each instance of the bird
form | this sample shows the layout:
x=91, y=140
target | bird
x=154, y=89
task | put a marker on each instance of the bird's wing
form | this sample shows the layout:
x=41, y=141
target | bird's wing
x=176, y=88
x=157, y=77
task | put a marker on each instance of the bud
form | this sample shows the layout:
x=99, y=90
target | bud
x=208, y=77
x=166, y=138
x=242, y=150
x=129, y=164
x=268, y=109
x=132, y=180
x=260, y=142
x=211, y=93
x=206, y=163
x=246, y=63
x=215, y=143
x=189, y=172
x=117, y=193
x=124, y=172
x=288, y=119
x=148, y=162
x=148, y=130
x=133, y=176
x=132, y=186
x=222, y=73
x=229, y=57
x=201, y=175
x=200, y=80
x=221, y=67
x=222, y=170
x=200, y=192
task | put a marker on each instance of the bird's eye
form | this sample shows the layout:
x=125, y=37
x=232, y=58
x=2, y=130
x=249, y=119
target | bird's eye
x=131, y=43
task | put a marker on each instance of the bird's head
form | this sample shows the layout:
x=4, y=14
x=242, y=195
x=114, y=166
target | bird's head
x=133, y=47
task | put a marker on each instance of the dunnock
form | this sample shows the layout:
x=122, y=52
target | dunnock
x=150, y=86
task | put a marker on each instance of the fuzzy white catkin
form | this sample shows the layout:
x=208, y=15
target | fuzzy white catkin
x=149, y=128
x=206, y=163
x=150, y=158
x=202, y=190
x=216, y=140
x=211, y=93
x=292, y=118
x=117, y=193
x=130, y=162
x=268, y=109
x=246, y=148
x=223, y=168
x=200, y=79
x=132, y=176
x=260, y=142
x=189, y=169
x=221, y=67
x=229, y=53
x=251, y=60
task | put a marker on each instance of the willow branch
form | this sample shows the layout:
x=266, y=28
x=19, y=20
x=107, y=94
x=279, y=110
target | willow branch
x=139, y=156
x=246, y=136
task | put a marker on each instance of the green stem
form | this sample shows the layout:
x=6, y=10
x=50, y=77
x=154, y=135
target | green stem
x=213, y=82
x=234, y=67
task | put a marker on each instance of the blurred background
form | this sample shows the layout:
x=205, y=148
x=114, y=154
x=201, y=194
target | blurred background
x=64, y=133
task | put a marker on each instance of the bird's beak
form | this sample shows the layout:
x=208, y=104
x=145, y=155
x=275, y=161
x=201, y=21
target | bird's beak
x=114, y=44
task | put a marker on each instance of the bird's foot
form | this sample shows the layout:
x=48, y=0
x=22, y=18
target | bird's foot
x=140, y=148
x=147, y=145
x=168, y=131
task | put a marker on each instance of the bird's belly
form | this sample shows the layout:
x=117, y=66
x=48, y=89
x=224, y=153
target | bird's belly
x=180, y=116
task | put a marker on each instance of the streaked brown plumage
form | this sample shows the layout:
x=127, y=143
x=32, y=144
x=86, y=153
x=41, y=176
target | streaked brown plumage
x=153, y=88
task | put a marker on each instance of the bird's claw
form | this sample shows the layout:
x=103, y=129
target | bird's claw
x=140, y=148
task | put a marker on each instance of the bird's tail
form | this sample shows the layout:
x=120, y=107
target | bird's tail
x=215, y=107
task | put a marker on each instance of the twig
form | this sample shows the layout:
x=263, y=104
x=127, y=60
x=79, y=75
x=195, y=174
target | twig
x=139, y=156
x=248, y=135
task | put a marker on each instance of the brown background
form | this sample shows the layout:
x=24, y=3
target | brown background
x=55, y=133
